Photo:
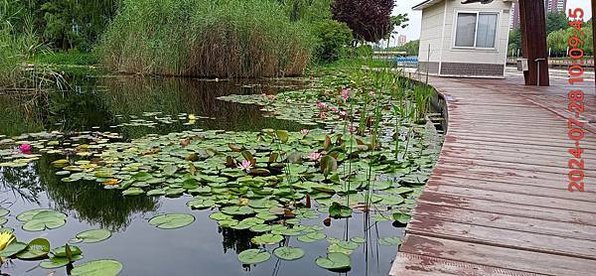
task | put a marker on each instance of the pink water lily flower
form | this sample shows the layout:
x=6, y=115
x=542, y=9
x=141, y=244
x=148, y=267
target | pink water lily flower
x=334, y=109
x=305, y=131
x=342, y=114
x=25, y=148
x=245, y=165
x=315, y=156
x=345, y=94
x=321, y=105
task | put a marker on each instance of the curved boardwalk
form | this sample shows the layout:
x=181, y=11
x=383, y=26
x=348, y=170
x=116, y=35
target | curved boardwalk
x=497, y=202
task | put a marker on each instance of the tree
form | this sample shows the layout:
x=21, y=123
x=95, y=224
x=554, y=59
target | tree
x=558, y=40
x=370, y=20
x=515, y=39
x=556, y=21
x=411, y=48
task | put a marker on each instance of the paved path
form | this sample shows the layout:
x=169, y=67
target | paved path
x=497, y=202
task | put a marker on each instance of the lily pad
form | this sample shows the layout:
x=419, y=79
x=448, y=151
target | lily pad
x=41, y=219
x=134, y=191
x=172, y=221
x=57, y=262
x=335, y=261
x=13, y=249
x=200, y=203
x=92, y=236
x=390, y=241
x=337, y=210
x=267, y=239
x=4, y=212
x=402, y=218
x=312, y=237
x=288, y=253
x=98, y=268
x=253, y=256
x=238, y=210
x=61, y=251
x=37, y=248
x=220, y=216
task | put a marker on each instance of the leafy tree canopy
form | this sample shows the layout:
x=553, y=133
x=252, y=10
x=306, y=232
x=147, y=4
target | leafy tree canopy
x=370, y=20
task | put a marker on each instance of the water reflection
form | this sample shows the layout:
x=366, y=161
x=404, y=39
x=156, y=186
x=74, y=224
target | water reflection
x=87, y=201
x=101, y=103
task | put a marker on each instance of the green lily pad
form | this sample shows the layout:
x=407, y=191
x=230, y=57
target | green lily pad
x=92, y=236
x=335, y=261
x=3, y=221
x=312, y=237
x=41, y=219
x=200, y=203
x=260, y=228
x=220, y=216
x=156, y=192
x=390, y=241
x=61, y=251
x=4, y=212
x=98, y=268
x=37, y=248
x=57, y=262
x=133, y=191
x=267, y=239
x=238, y=210
x=334, y=247
x=337, y=210
x=253, y=256
x=172, y=221
x=13, y=249
x=402, y=218
x=289, y=253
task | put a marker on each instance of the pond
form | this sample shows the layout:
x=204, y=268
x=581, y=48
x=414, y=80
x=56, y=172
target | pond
x=119, y=153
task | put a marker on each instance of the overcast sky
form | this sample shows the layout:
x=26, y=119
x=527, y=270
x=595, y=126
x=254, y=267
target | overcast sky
x=413, y=31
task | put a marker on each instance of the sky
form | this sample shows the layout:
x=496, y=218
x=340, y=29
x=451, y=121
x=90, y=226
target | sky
x=413, y=30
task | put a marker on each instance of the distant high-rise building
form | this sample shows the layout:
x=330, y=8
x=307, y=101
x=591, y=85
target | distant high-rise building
x=401, y=40
x=549, y=6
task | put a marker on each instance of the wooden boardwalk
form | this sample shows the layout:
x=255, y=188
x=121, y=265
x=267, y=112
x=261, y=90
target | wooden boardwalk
x=497, y=202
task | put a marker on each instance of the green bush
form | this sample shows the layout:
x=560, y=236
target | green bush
x=227, y=38
x=333, y=39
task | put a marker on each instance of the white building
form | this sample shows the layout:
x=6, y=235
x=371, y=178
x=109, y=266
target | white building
x=464, y=40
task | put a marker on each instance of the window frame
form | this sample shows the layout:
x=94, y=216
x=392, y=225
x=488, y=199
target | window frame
x=477, y=13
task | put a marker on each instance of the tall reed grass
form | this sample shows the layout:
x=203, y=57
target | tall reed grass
x=200, y=38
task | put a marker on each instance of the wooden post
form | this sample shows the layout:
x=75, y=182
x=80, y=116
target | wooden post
x=533, y=36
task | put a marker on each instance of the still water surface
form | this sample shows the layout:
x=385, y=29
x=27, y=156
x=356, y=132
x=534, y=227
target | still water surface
x=129, y=106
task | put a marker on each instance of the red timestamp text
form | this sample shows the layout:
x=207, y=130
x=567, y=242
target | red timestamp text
x=576, y=102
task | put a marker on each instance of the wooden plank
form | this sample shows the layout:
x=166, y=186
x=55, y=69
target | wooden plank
x=523, y=188
x=504, y=208
x=515, y=199
x=496, y=256
x=514, y=158
x=437, y=212
x=525, y=241
x=418, y=265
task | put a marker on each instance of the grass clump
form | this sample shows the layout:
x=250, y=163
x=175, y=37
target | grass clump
x=199, y=38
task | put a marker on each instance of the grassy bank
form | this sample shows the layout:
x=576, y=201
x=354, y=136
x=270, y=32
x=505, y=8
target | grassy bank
x=231, y=38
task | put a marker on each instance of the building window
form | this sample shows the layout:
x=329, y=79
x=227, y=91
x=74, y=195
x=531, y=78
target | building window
x=476, y=30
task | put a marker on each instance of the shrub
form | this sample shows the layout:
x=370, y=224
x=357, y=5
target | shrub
x=227, y=38
x=333, y=39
